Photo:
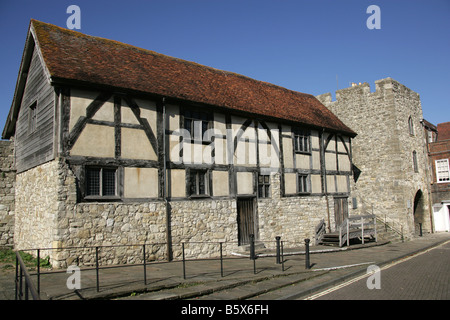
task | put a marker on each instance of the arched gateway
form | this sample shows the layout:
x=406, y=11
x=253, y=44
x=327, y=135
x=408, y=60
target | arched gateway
x=419, y=211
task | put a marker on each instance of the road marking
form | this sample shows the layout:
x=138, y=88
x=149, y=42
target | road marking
x=320, y=294
x=343, y=267
x=394, y=263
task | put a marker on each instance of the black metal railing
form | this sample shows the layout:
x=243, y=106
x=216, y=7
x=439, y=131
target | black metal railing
x=24, y=286
x=97, y=266
x=182, y=257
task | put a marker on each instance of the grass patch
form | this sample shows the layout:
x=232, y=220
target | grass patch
x=8, y=257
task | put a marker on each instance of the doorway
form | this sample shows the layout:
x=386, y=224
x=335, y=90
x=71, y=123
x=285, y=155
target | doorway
x=340, y=211
x=246, y=219
x=418, y=211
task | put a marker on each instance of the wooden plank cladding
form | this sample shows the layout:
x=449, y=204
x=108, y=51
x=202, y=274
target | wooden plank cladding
x=35, y=146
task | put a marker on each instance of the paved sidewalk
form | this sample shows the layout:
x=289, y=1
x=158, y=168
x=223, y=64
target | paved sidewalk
x=239, y=281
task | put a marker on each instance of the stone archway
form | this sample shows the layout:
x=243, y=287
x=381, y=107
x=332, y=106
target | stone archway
x=419, y=211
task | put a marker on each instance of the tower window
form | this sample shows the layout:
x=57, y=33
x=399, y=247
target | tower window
x=416, y=167
x=410, y=126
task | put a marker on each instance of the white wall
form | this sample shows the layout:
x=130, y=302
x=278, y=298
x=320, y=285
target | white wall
x=441, y=217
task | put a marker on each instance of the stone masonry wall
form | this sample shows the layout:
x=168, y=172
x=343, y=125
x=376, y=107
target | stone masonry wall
x=292, y=218
x=50, y=217
x=54, y=219
x=7, y=191
x=202, y=224
x=119, y=227
x=383, y=150
x=36, y=207
x=214, y=221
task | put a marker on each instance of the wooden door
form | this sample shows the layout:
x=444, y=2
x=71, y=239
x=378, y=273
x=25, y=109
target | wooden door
x=340, y=211
x=246, y=220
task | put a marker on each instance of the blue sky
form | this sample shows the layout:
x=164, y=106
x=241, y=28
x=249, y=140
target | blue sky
x=308, y=46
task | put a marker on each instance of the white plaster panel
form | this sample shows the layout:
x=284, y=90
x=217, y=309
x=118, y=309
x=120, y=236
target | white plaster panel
x=135, y=145
x=95, y=141
x=220, y=183
x=245, y=182
x=141, y=183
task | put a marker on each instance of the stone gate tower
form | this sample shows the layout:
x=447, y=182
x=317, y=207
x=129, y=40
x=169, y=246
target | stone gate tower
x=391, y=176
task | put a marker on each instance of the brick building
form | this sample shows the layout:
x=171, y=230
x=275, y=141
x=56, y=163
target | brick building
x=439, y=152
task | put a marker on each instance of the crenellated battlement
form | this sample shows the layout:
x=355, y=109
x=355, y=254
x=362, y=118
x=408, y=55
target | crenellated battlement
x=388, y=151
x=363, y=90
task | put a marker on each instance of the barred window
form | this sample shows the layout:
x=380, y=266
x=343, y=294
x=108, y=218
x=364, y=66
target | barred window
x=197, y=124
x=100, y=182
x=199, y=182
x=264, y=186
x=302, y=183
x=301, y=141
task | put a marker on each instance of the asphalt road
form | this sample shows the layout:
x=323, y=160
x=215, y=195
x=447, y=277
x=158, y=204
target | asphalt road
x=425, y=276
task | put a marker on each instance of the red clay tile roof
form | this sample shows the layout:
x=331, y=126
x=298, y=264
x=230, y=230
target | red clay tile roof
x=72, y=55
x=443, y=131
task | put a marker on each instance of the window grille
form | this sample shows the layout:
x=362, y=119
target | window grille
x=93, y=181
x=100, y=182
x=109, y=182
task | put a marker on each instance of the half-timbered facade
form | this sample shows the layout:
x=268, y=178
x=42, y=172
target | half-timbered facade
x=121, y=145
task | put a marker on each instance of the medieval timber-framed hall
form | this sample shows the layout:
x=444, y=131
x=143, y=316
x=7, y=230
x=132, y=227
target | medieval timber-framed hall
x=119, y=145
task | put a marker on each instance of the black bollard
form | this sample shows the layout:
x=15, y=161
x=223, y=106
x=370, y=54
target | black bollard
x=278, y=250
x=307, y=264
x=252, y=247
x=420, y=228
x=184, y=262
